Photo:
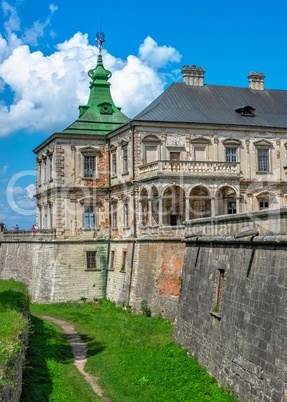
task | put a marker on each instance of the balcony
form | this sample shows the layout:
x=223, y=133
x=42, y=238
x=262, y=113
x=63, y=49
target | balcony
x=204, y=168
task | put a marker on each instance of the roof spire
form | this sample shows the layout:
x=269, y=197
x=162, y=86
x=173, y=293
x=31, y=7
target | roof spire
x=100, y=37
x=100, y=116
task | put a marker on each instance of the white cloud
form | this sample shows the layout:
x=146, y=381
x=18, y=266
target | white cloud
x=47, y=90
x=31, y=190
x=37, y=31
x=157, y=56
x=4, y=169
x=12, y=23
x=16, y=190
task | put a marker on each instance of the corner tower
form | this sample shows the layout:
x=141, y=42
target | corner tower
x=73, y=165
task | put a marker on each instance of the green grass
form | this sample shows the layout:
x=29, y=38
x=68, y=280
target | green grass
x=49, y=374
x=13, y=303
x=133, y=355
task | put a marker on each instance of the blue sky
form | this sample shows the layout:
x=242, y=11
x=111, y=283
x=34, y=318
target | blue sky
x=47, y=48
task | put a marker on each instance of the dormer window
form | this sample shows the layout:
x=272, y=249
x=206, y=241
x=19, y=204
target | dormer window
x=246, y=111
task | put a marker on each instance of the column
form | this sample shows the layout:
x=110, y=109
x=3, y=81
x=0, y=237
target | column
x=187, y=207
x=212, y=204
x=160, y=211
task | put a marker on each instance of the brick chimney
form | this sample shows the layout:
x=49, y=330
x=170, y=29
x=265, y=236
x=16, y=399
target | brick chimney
x=256, y=81
x=193, y=75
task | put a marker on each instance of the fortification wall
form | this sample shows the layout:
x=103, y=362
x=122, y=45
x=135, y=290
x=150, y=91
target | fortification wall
x=232, y=313
x=126, y=272
x=54, y=271
x=152, y=272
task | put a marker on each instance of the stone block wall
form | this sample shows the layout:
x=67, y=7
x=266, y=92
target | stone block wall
x=127, y=271
x=157, y=275
x=232, y=313
x=55, y=271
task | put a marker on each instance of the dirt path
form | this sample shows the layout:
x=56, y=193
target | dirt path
x=79, y=349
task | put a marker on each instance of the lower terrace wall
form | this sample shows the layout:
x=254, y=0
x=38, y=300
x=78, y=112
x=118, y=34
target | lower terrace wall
x=152, y=272
x=127, y=271
x=54, y=271
x=233, y=313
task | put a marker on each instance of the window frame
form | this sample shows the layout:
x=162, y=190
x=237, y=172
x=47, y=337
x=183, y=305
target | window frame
x=91, y=215
x=90, y=171
x=261, y=147
x=125, y=161
x=114, y=214
x=126, y=214
x=231, y=156
x=262, y=159
x=91, y=259
x=261, y=201
x=114, y=162
x=90, y=152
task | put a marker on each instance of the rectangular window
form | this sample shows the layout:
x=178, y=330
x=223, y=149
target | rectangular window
x=125, y=160
x=89, y=217
x=89, y=166
x=231, y=154
x=263, y=160
x=40, y=218
x=219, y=290
x=50, y=168
x=126, y=215
x=45, y=172
x=112, y=259
x=51, y=216
x=231, y=207
x=114, y=163
x=45, y=218
x=114, y=215
x=40, y=173
x=91, y=259
x=263, y=204
x=124, y=261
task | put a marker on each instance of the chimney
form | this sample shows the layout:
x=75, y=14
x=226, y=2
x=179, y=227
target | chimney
x=256, y=81
x=193, y=75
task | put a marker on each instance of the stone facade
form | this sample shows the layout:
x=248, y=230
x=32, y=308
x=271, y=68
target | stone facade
x=115, y=197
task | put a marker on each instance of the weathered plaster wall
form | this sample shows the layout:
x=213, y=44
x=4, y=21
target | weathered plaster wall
x=243, y=342
x=55, y=271
x=158, y=269
x=127, y=271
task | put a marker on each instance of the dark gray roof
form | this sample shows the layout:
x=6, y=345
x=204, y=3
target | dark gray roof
x=214, y=104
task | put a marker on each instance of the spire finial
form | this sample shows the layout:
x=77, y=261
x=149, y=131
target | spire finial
x=100, y=38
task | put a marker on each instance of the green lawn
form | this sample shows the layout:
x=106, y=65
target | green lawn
x=133, y=355
x=13, y=302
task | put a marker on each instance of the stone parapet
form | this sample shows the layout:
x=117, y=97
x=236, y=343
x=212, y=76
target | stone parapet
x=265, y=222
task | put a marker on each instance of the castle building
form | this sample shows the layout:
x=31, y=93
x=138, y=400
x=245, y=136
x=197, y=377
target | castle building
x=121, y=204
x=121, y=190
x=197, y=151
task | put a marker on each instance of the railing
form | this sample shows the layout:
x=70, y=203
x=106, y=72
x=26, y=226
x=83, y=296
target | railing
x=38, y=234
x=190, y=167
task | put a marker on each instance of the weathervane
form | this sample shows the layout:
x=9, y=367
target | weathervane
x=100, y=38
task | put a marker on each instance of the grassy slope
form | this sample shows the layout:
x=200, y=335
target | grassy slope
x=134, y=356
x=13, y=302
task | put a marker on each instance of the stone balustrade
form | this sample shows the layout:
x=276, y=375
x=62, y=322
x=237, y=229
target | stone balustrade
x=190, y=167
